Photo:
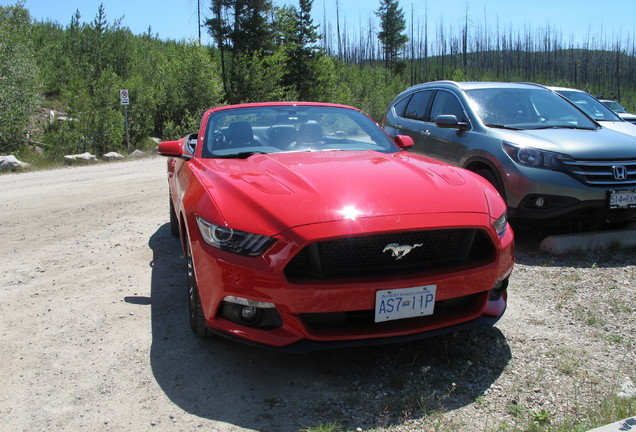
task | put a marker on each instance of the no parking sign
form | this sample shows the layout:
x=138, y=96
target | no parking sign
x=123, y=97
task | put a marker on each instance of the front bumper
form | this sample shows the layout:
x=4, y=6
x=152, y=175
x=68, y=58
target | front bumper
x=305, y=346
x=311, y=312
x=539, y=194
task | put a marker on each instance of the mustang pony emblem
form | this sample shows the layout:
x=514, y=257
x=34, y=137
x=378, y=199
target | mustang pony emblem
x=400, y=251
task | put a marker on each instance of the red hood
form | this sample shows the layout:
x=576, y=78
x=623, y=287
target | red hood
x=272, y=192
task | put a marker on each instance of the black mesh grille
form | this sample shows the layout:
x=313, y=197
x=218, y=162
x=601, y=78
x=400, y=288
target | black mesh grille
x=390, y=254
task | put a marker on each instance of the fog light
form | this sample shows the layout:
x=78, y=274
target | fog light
x=497, y=291
x=248, y=313
x=539, y=202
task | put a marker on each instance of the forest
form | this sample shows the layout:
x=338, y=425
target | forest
x=60, y=83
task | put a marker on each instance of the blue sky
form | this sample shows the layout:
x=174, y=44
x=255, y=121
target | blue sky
x=177, y=19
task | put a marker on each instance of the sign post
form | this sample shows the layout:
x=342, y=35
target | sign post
x=124, y=98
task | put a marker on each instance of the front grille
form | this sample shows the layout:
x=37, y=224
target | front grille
x=382, y=255
x=615, y=173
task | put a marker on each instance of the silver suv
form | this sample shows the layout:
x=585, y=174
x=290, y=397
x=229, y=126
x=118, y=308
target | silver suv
x=548, y=159
x=596, y=110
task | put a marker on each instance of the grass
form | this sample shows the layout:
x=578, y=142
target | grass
x=51, y=159
x=330, y=427
x=611, y=409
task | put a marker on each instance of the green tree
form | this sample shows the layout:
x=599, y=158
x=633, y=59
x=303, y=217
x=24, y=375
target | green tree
x=19, y=77
x=99, y=116
x=244, y=28
x=391, y=36
x=219, y=29
x=299, y=41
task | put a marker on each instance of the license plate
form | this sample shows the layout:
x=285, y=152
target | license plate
x=622, y=199
x=404, y=303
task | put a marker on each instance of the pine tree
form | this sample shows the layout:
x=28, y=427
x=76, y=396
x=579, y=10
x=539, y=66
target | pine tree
x=300, y=37
x=391, y=35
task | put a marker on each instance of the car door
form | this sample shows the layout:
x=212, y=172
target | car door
x=443, y=143
x=411, y=113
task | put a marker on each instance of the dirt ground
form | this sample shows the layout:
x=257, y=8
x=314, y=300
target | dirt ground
x=94, y=332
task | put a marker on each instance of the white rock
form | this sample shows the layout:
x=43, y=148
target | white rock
x=11, y=163
x=110, y=156
x=137, y=154
x=83, y=158
x=628, y=389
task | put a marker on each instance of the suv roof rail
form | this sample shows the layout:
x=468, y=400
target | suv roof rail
x=532, y=84
x=455, y=83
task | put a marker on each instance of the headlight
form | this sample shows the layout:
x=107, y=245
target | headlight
x=228, y=239
x=501, y=224
x=535, y=157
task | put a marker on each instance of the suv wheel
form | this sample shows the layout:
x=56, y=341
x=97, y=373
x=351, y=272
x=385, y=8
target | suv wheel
x=489, y=175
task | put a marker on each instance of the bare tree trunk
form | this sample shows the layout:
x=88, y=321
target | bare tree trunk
x=338, y=29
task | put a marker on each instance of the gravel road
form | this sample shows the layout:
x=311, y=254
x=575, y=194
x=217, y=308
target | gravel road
x=94, y=332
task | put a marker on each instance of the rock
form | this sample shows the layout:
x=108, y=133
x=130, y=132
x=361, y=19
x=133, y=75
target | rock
x=83, y=158
x=111, y=156
x=11, y=163
x=37, y=150
x=628, y=389
x=137, y=154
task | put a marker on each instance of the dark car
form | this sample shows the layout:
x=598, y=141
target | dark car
x=547, y=158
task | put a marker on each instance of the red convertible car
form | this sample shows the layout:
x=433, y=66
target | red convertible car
x=305, y=226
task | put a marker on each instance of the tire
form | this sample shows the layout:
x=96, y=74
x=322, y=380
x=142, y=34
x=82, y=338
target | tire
x=492, y=179
x=174, y=222
x=197, y=319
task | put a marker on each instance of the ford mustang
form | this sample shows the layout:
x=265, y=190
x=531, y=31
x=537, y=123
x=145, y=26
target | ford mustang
x=305, y=226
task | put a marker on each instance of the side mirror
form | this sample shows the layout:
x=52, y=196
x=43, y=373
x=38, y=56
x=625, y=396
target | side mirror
x=404, y=141
x=449, y=121
x=172, y=149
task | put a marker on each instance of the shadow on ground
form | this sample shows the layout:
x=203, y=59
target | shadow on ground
x=265, y=390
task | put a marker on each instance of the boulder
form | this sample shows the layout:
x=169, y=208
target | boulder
x=137, y=154
x=11, y=163
x=111, y=156
x=80, y=159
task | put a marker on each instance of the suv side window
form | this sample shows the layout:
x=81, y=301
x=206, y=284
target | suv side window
x=400, y=106
x=418, y=105
x=446, y=102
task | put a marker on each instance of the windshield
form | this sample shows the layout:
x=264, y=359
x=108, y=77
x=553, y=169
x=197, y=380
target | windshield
x=590, y=105
x=241, y=132
x=526, y=108
x=614, y=106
